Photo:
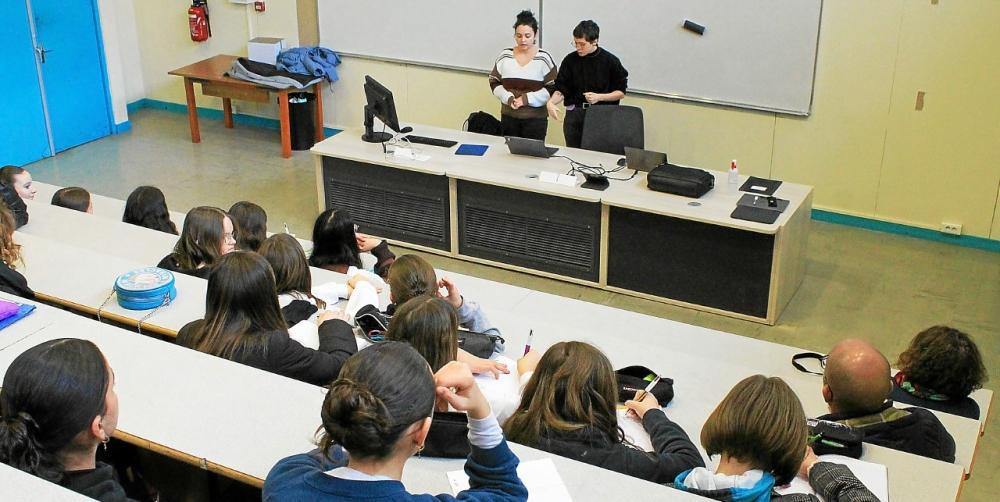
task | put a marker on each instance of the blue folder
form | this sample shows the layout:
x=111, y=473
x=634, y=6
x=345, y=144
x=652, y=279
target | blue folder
x=467, y=149
x=22, y=311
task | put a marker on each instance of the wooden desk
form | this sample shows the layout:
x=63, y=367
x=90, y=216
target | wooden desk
x=211, y=74
x=492, y=209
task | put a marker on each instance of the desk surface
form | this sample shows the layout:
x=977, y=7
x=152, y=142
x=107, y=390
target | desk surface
x=19, y=485
x=498, y=167
x=214, y=69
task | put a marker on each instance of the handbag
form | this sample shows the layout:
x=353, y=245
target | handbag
x=448, y=436
x=677, y=180
x=826, y=437
x=483, y=123
x=479, y=344
x=145, y=288
x=632, y=379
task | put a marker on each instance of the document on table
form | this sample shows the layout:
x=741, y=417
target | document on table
x=874, y=476
x=504, y=393
x=634, y=431
x=539, y=476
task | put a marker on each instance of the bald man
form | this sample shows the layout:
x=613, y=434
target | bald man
x=856, y=386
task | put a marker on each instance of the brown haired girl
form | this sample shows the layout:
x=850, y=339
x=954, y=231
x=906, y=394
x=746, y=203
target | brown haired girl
x=11, y=281
x=759, y=430
x=208, y=233
x=568, y=408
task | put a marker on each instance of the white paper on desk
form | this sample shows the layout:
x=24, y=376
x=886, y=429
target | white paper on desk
x=874, y=476
x=634, y=431
x=409, y=154
x=503, y=393
x=548, y=177
x=566, y=179
x=539, y=476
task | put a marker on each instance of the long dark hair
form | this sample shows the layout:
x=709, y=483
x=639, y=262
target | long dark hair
x=241, y=305
x=334, y=240
x=251, y=222
x=75, y=198
x=430, y=325
x=147, y=207
x=201, y=237
x=381, y=391
x=573, y=388
x=409, y=277
x=291, y=270
x=51, y=393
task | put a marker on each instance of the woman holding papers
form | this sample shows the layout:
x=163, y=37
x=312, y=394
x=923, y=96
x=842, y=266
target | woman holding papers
x=759, y=430
x=380, y=410
x=58, y=403
x=243, y=323
x=523, y=78
x=568, y=408
x=337, y=246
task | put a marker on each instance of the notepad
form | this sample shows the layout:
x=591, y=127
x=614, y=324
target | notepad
x=22, y=311
x=635, y=433
x=539, y=476
x=874, y=476
x=468, y=149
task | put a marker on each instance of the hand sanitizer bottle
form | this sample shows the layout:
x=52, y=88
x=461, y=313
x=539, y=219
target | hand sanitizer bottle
x=734, y=177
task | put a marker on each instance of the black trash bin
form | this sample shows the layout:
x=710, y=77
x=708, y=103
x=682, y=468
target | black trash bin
x=301, y=112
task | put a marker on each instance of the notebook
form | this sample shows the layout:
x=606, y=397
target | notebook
x=22, y=311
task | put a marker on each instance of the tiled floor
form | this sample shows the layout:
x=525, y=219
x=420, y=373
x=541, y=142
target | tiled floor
x=876, y=286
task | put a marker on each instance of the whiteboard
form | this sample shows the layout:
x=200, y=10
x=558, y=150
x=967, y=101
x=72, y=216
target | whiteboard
x=756, y=54
x=463, y=34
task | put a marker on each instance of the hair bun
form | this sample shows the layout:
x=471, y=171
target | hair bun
x=355, y=418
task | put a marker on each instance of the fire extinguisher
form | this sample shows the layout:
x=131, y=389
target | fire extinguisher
x=198, y=21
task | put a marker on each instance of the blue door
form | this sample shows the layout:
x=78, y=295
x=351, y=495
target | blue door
x=23, y=137
x=73, y=74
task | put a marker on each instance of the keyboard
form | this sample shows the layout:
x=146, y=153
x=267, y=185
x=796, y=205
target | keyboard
x=423, y=140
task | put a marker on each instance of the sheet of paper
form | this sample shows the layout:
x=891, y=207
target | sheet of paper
x=503, y=393
x=634, y=431
x=566, y=179
x=540, y=476
x=874, y=476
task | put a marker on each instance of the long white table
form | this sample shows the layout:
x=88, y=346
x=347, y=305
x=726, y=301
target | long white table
x=19, y=485
x=191, y=416
x=494, y=209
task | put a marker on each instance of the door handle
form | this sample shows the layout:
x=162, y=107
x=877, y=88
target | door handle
x=41, y=52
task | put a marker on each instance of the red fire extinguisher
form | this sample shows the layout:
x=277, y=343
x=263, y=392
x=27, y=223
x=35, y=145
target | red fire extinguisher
x=198, y=21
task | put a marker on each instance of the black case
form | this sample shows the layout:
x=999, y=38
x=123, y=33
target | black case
x=686, y=181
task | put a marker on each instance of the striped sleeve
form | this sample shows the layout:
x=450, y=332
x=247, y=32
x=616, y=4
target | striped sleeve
x=496, y=77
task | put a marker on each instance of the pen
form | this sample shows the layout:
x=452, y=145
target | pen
x=527, y=346
x=642, y=395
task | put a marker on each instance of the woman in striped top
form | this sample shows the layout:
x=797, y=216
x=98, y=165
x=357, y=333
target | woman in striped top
x=523, y=78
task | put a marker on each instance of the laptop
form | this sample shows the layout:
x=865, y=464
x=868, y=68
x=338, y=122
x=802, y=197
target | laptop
x=643, y=160
x=529, y=147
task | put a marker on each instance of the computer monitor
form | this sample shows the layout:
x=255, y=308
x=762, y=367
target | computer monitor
x=381, y=105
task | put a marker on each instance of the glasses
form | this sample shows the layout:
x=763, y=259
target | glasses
x=810, y=362
x=229, y=236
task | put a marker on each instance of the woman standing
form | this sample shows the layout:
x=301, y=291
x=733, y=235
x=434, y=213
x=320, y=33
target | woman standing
x=523, y=78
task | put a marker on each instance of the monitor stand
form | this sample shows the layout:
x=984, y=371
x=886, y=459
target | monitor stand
x=370, y=136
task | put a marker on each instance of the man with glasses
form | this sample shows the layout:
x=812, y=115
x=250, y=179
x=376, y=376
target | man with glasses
x=587, y=77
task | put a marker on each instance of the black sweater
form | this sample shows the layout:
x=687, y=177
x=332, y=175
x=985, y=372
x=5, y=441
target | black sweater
x=913, y=430
x=674, y=451
x=98, y=483
x=11, y=281
x=288, y=357
x=170, y=263
x=600, y=71
x=963, y=407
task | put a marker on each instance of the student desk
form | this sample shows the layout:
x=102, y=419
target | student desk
x=493, y=209
x=211, y=74
x=19, y=485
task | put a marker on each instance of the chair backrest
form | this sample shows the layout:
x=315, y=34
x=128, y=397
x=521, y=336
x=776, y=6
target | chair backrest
x=611, y=128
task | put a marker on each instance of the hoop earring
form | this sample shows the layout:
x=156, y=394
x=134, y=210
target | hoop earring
x=104, y=442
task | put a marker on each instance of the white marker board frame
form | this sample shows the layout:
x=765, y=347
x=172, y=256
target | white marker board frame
x=758, y=55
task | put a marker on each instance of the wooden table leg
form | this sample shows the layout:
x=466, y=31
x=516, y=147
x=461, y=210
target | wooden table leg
x=318, y=89
x=286, y=133
x=227, y=112
x=192, y=110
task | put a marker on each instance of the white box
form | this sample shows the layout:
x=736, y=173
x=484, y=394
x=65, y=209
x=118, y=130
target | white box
x=265, y=49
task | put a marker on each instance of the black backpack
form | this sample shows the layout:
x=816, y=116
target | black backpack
x=483, y=123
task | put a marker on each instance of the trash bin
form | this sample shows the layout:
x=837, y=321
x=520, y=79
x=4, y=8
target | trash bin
x=301, y=113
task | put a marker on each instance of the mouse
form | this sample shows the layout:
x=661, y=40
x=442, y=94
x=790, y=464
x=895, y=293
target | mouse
x=621, y=162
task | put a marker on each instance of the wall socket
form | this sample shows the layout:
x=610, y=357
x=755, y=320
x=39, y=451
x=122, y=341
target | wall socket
x=951, y=228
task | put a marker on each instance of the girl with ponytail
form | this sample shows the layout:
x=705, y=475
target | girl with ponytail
x=380, y=410
x=57, y=405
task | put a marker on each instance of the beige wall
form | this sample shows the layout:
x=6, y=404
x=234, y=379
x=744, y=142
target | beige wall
x=864, y=147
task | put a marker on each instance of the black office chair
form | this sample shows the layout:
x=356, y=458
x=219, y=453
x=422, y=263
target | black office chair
x=611, y=128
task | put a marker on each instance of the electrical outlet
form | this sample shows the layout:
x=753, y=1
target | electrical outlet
x=951, y=228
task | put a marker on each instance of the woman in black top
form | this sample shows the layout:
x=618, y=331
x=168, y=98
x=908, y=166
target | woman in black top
x=588, y=76
x=11, y=281
x=147, y=207
x=208, y=234
x=243, y=323
x=337, y=245
x=568, y=408
x=58, y=403
x=251, y=225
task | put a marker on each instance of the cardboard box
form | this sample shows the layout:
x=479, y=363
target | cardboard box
x=265, y=49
